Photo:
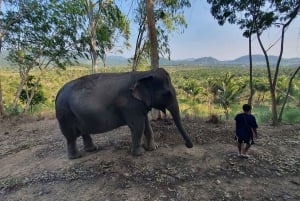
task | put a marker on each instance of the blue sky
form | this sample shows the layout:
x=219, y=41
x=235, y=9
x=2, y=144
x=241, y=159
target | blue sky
x=204, y=37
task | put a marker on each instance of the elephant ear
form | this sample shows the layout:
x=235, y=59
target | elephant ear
x=142, y=90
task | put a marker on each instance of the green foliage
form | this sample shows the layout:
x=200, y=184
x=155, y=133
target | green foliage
x=291, y=115
x=38, y=97
x=191, y=87
x=203, y=106
x=227, y=89
x=13, y=111
x=101, y=26
x=40, y=37
x=253, y=16
x=263, y=114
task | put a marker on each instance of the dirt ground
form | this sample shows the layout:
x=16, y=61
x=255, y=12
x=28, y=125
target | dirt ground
x=34, y=165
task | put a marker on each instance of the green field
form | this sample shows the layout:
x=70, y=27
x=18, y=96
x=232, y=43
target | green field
x=192, y=90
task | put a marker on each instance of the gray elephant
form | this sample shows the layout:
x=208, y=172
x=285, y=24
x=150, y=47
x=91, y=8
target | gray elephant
x=101, y=102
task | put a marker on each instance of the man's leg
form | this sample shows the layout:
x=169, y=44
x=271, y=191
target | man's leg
x=239, y=148
x=245, y=150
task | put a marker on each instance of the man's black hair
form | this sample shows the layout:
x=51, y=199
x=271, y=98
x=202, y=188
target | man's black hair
x=246, y=107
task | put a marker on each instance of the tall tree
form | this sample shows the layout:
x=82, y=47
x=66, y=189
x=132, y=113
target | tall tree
x=168, y=17
x=39, y=40
x=140, y=44
x=259, y=16
x=4, y=25
x=152, y=35
x=101, y=24
x=2, y=112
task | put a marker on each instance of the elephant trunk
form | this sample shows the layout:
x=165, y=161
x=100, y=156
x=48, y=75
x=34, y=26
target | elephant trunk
x=174, y=110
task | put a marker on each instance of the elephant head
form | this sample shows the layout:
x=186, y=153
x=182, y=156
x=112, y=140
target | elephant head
x=155, y=89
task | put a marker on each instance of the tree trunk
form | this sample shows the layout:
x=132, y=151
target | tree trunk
x=271, y=84
x=94, y=60
x=104, y=62
x=152, y=35
x=287, y=93
x=138, y=48
x=32, y=93
x=250, y=72
x=18, y=92
x=92, y=35
x=93, y=45
x=2, y=111
x=153, y=46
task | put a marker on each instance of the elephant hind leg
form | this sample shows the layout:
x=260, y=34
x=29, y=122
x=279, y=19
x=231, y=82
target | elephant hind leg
x=71, y=134
x=73, y=152
x=89, y=146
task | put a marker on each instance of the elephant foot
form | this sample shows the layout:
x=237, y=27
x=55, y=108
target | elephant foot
x=150, y=146
x=138, y=151
x=90, y=148
x=88, y=143
x=73, y=154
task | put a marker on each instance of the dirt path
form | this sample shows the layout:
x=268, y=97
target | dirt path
x=34, y=165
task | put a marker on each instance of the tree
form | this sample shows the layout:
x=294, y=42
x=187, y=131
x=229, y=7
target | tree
x=39, y=40
x=168, y=17
x=100, y=24
x=191, y=87
x=260, y=88
x=2, y=112
x=140, y=45
x=228, y=90
x=152, y=35
x=289, y=88
x=25, y=95
x=4, y=25
x=209, y=91
x=259, y=16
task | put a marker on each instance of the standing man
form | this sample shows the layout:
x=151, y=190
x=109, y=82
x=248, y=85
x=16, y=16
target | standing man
x=245, y=130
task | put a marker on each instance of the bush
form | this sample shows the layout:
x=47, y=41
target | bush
x=38, y=96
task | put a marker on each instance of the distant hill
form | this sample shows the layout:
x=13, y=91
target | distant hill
x=258, y=60
x=207, y=61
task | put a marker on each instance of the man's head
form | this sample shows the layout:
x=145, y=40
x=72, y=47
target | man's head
x=246, y=108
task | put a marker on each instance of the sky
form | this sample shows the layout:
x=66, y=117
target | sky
x=204, y=37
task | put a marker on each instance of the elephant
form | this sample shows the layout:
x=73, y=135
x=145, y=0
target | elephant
x=101, y=102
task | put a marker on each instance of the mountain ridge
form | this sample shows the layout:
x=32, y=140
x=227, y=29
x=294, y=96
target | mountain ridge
x=258, y=60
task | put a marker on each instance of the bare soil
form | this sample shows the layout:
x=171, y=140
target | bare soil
x=34, y=164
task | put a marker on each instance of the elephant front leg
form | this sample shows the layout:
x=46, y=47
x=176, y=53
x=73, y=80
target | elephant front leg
x=149, y=143
x=137, y=130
